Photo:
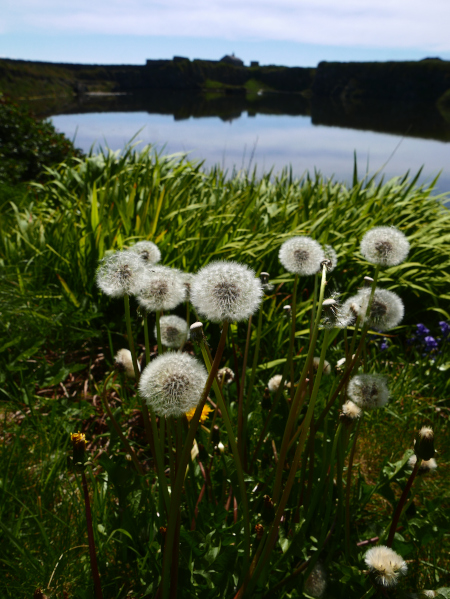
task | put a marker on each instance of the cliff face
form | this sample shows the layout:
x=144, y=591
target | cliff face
x=19, y=78
x=414, y=82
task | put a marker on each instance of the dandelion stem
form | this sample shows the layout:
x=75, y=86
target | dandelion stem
x=90, y=531
x=158, y=333
x=292, y=338
x=178, y=487
x=298, y=454
x=348, y=488
x=240, y=441
x=298, y=394
x=401, y=504
x=126, y=299
x=236, y=456
x=147, y=340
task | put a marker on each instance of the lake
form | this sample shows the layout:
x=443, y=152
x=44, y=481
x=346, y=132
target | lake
x=241, y=134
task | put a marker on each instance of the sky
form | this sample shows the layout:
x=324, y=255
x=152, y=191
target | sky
x=284, y=32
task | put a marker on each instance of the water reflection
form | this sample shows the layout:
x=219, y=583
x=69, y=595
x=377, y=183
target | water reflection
x=269, y=130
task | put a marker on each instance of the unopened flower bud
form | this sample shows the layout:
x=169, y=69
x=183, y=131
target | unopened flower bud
x=259, y=531
x=220, y=447
x=202, y=453
x=424, y=443
x=162, y=536
x=197, y=335
x=268, y=509
x=78, y=448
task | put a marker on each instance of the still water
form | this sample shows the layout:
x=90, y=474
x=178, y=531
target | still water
x=244, y=139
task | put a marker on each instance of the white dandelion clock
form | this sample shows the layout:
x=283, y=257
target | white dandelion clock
x=331, y=256
x=326, y=368
x=120, y=274
x=124, y=362
x=173, y=383
x=274, y=383
x=147, y=250
x=226, y=291
x=162, y=288
x=385, y=565
x=368, y=391
x=425, y=465
x=386, y=311
x=174, y=331
x=386, y=246
x=301, y=255
x=350, y=412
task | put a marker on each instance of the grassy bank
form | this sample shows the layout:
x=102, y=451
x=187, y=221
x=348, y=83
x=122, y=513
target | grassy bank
x=60, y=335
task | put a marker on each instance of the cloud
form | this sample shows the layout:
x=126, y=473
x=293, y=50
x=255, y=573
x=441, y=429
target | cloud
x=374, y=23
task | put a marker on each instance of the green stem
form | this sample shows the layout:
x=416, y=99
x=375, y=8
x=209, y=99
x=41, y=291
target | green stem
x=236, y=456
x=240, y=435
x=158, y=333
x=298, y=454
x=292, y=339
x=159, y=461
x=90, y=531
x=401, y=503
x=256, y=354
x=177, y=489
x=293, y=410
x=147, y=340
x=126, y=299
x=348, y=488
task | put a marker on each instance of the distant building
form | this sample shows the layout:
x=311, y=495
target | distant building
x=180, y=59
x=232, y=59
x=254, y=63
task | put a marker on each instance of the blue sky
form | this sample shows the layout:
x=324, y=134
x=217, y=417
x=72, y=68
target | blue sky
x=290, y=32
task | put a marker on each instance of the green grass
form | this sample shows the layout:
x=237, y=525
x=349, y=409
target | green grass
x=59, y=336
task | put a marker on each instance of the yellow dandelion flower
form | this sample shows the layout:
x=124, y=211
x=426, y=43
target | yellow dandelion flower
x=204, y=415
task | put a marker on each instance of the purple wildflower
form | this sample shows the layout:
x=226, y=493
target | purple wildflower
x=422, y=330
x=445, y=328
x=384, y=345
x=430, y=343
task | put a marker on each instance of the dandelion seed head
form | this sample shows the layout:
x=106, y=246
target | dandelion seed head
x=226, y=291
x=148, y=251
x=337, y=315
x=385, y=565
x=174, y=331
x=226, y=374
x=425, y=465
x=368, y=391
x=386, y=311
x=124, y=362
x=326, y=365
x=161, y=288
x=350, y=411
x=386, y=246
x=331, y=256
x=173, y=383
x=301, y=255
x=120, y=274
x=316, y=583
x=274, y=383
